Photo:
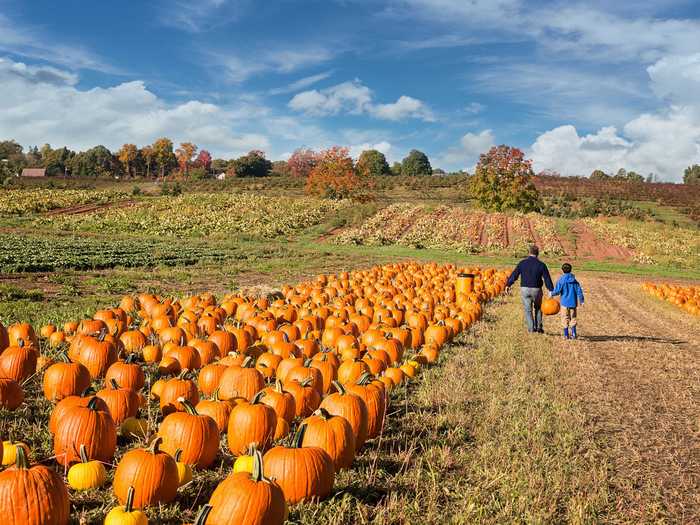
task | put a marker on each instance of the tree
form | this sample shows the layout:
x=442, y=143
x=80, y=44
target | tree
x=691, y=175
x=503, y=180
x=396, y=169
x=203, y=160
x=127, y=155
x=633, y=176
x=599, y=175
x=254, y=164
x=280, y=168
x=220, y=166
x=148, y=156
x=416, y=164
x=163, y=155
x=56, y=161
x=97, y=161
x=372, y=163
x=12, y=158
x=302, y=162
x=335, y=177
x=184, y=155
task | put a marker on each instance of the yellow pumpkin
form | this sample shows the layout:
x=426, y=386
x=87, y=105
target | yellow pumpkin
x=87, y=474
x=126, y=515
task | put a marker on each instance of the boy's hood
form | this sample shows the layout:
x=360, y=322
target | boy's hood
x=568, y=278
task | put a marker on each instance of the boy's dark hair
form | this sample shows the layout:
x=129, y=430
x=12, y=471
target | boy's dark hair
x=533, y=250
x=566, y=268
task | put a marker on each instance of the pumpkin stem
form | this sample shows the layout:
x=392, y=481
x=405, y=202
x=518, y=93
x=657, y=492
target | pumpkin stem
x=114, y=384
x=92, y=404
x=63, y=357
x=202, y=515
x=153, y=449
x=178, y=454
x=129, y=507
x=278, y=386
x=130, y=359
x=183, y=373
x=306, y=381
x=364, y=379
x=258, y=474
x=257, y=397
x=252, y=448
x=83, y=454
x=248, y=362
x=323, y=413
x=20, y=343
x=339, y=387
x=299, y=436
x=21, y=460
x=189, y=408
x=307, y=362
x=215, y=395
x=89, y=390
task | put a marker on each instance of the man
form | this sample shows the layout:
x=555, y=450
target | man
x=532, y=273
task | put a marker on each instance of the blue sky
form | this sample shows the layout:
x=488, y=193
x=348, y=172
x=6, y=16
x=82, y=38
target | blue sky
x=578, y=85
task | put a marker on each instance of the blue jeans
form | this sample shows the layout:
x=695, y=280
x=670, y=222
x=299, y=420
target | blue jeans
x=532, y=302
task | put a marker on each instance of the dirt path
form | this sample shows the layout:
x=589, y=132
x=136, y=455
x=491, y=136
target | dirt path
x=636, y=371
x=88, y=208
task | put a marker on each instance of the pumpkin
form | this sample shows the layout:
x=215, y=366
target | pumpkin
x=304, y=474
x=281, y=402
x=328, y=369
x=300, y=373
x=97, y=356
x=22, y=334
x=184, y=471
x=18, y=362
x=152, y=353
x=67, y=403
x=241, y=381
x=252, y=422
x=216, y=409
x=134, y=427
x=186, y=356
x=350, y=371
x=247, y=498
x=88, y=425
x=196, y=435
x=333, y=434
x=11, y=394
x=33, y=495
x=374, y=396
x=126, y=515
x=150, y=472
x=245, y=463
x=174, y=389
x=127, y=373
x=87, y=474
x=4, y=338
x=9, y=451
x=121, y=402
x=550, y=306
x=282, y=429
x=65, y=379
x=207, y=350
x=209, y=378
x=350, y=406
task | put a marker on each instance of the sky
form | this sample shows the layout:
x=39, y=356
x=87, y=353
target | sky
x=577, y=85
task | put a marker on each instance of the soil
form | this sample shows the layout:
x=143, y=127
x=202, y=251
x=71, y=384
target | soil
x=635, y=370
x=588, y=245
x=89, y=208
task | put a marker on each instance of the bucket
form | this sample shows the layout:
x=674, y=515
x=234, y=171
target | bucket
x=464, y=283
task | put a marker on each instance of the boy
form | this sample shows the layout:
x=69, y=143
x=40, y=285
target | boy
x=571, y=296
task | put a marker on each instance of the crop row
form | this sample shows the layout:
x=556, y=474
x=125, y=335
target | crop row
x=22, y=202
x=686, y=297
x=38, y=254
x=205, y=214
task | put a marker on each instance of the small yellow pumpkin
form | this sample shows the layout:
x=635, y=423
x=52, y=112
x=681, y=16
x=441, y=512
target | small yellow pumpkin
x=86, y=475
x=184, y=471
x=9, y=452
x=126, y=515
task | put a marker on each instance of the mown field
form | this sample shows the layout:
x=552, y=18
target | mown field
x=529, y=434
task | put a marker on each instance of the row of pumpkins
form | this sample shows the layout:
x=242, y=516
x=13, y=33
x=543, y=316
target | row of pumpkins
x=686, y=297
x=320, y=357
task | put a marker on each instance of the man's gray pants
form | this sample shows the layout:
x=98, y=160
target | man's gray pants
x=532, y=303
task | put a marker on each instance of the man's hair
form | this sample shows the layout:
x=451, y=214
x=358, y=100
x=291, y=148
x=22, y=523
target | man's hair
x=533, y=250
x=566, y=268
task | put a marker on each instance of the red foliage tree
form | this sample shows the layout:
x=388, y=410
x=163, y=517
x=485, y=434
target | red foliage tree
x=302, y=162
x=334, y=177
x=203, y=160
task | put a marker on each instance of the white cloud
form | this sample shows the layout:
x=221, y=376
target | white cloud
x=356, y=98
x=300, y=84
x=383, y=147
x=36, y=109
x=471, y=145
x=237, y=69
x=200, y=16
x=475, y=108
x=33, y=42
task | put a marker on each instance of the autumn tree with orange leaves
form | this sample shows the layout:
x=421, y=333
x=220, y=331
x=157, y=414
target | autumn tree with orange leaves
x=334, y=177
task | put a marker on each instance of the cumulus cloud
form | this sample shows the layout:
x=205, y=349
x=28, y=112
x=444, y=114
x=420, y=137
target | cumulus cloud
x=466, y=154
x=356, y=98
x=300, y=84
x=41, y=104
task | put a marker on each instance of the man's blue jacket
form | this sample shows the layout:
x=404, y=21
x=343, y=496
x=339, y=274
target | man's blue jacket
x=532, y=272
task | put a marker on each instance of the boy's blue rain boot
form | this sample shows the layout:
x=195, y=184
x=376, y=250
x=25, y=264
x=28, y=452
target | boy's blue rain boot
x=566, y=333
x=573, y=332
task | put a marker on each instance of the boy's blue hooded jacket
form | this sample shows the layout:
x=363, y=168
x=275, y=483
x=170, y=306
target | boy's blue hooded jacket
x=570, y=290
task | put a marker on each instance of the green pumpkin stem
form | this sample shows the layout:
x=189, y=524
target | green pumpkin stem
x=323, y=413
x=278, y=386
x=215, y=395
x=248, y=362
x=202, y=515
x=258, y=472
x=130, y=359
x=299, y=436
x=129, y=507
x=21, y=461
x=83, y=454
x=92, y=404
x=153, y=449
x=257, y=397
x=364, y=379
x=339, y=387
x=113, y=383
x=306, y=381
x=178, y=454
x=63, y=357
x=189, y=407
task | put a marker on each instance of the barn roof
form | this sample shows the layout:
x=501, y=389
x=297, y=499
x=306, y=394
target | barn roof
x=33, y=172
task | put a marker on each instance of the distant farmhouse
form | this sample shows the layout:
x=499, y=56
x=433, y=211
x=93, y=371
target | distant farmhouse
x=33, y=172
